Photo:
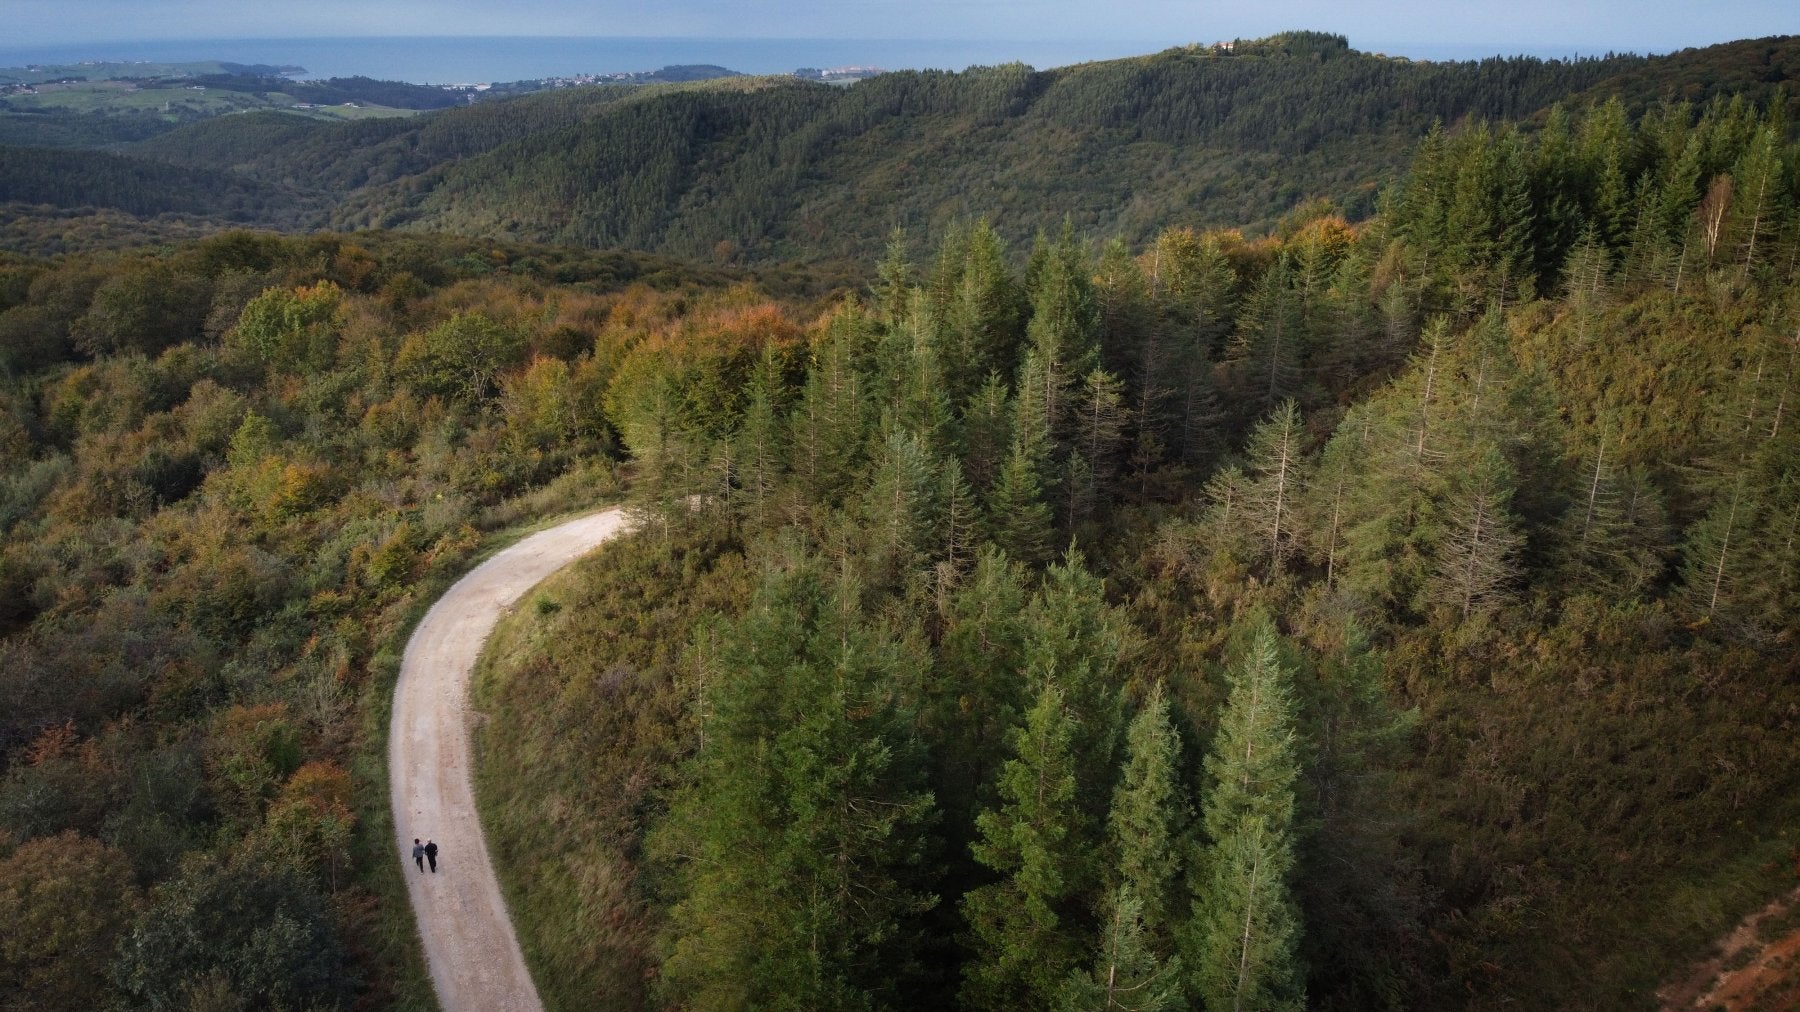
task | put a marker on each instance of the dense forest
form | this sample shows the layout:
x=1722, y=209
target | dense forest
x=1386, y=616
x=1394, y=609
x=779, y=169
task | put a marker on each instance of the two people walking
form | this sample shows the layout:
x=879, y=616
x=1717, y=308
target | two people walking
x=423, y=852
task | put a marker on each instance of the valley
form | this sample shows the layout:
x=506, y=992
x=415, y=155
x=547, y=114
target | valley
x=1274, y=527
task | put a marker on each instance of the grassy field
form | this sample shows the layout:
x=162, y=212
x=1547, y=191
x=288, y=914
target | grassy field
x=583, y=693
x=39, y=73
x=175, y=103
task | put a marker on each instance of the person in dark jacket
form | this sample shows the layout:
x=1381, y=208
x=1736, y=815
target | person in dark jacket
x=431, y=854
x=419, y=855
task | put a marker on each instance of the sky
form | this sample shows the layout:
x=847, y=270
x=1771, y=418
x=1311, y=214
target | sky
x=1548, y=27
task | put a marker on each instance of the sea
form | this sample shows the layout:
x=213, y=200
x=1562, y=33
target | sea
x=487, y=60
x=484, y=60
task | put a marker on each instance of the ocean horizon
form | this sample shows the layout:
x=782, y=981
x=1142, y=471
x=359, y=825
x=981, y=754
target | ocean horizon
x=494, y=59
x=487, y=59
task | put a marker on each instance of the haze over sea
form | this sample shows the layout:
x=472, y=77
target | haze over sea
x=483, y=59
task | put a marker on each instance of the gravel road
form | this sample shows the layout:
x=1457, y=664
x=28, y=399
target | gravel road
x=475, y=960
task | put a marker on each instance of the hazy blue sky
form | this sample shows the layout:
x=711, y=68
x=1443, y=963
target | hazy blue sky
x=1587, y=26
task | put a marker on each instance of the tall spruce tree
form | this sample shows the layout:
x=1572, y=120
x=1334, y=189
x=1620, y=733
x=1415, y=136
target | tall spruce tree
x=1063, y=332
x=1244, y=934
x=1148, y=819
x=1477, y=557
x=1270, y=511
x=796, y=847
x=1024, y=946
x=1077, y=640
x=1127, y=975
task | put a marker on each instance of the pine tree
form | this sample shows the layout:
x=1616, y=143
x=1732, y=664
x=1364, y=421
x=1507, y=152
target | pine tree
x=1074, y=638
x=980, y=692
x=1715, y=552
x=1759, y=171
x=1514, y=255
x=1587, y=280
x=1778, y=552
x=828, y=428
x=1018, y=504
x=1062, y=333
x=1192, y=286
x=761, y=450
x=796, y=846
x=1361, y=908
x=1271, y=500
x=1244, y=934
x=983, y=316
x=986, y=433
x=920, y=399
x=1126, y=974
x=1267, y=354
x=1097, y=437
x=1477, y=558
x=899, y=507
x=960, y=525
x=894, y=284
x=1613, y=534
x=1023, y=946
x=1017, y=513
x=1148, y=818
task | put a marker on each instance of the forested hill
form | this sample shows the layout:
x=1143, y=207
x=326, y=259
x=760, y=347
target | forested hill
x=1396, y=613
x=771, y=168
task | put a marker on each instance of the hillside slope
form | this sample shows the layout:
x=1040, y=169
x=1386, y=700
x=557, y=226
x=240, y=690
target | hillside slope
x=775, y=168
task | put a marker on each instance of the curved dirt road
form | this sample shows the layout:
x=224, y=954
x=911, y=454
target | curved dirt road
x=475, y=960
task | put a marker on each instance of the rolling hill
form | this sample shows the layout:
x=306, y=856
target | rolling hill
x=763, y=169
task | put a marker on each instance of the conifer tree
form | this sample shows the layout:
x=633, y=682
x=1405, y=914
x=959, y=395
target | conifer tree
x=894, y=283
x=1122, y=300
x=1080, y=491
x=980, y=693
x=1270, y=505
x=1126, y=975
x=1267, y=355
x=1477, y=558
x=987, y=433
x=1587, y=280
x=1096, y=437
x=899, y=507
x=960, y=525
x=1759, y=174
x=1023, y=946
x=982, y=319
x=1148, y=818
x=1778, y=552
x=1715, y=553
x=1243, y=937
x=760, y=442
x=1018, y=504
x=827, y=428
x=1614, y=531
x=1361, y=908
x=1017, y=514
x=1514, y=255
x=920, y=397
x=1074, y=638
x=796, y=846
x=1062, y=333
x=1193, y=287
